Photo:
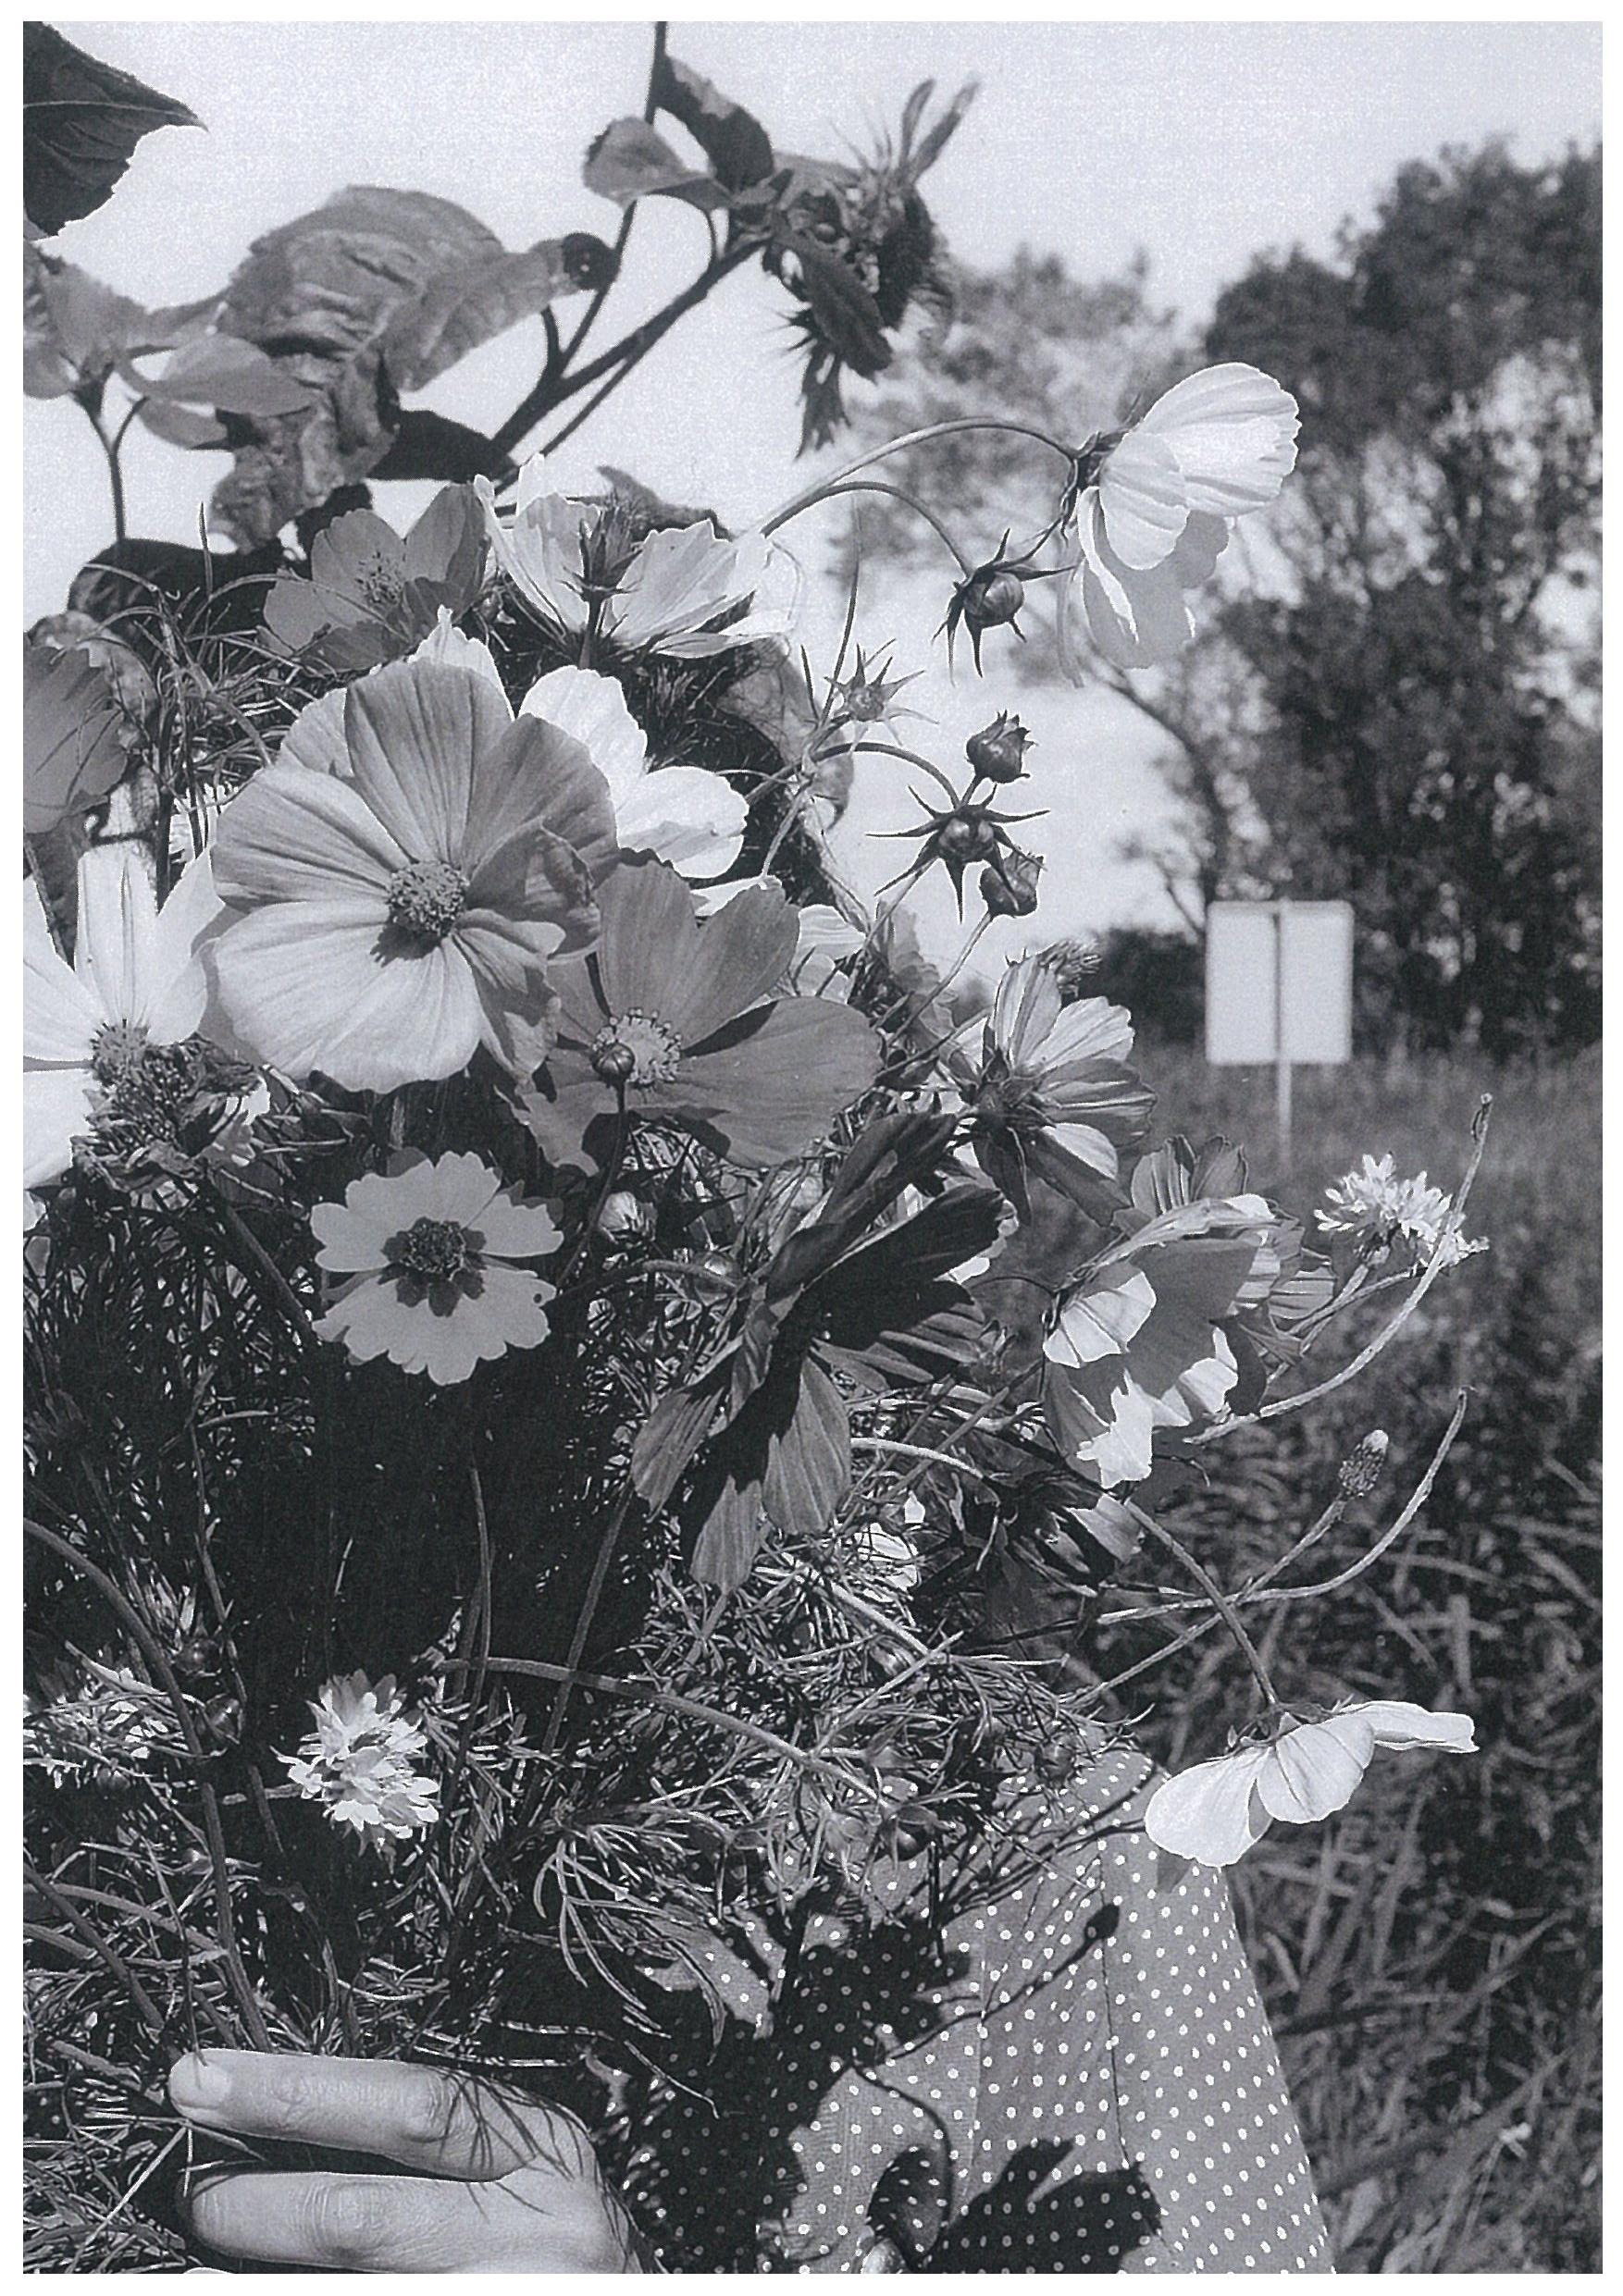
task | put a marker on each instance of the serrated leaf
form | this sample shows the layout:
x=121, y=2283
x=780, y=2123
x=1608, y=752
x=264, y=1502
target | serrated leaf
x=81, y=121
x=733, y=139
x=74, y=733
x=630, y=161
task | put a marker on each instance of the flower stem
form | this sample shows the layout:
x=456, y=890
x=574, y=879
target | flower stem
x=796, y=503
x=1220, y=1602
x=875, y=486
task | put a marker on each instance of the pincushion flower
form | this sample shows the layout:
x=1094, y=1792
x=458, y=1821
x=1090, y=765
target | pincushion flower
x=387, y=916
x=430, y=1257
x=1153, y=505
x=673, y=1021
x=371, y=594
x=1376, y=1208
x=100, y=1035
x=1138, y=1346
x=360, y=1762
x=1051, y=1095
x=685, y=591
x=1216, y=1811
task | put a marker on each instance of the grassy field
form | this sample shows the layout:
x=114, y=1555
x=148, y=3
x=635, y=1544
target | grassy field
x=1432, y=1957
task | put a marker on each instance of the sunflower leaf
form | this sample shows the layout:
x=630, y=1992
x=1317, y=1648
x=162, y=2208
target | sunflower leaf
x=75, y=738
x=81, y=121
x=631, y=161
x=733, y=139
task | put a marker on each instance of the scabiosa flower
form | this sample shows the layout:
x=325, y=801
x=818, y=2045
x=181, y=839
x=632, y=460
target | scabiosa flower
x=1214, y=1812
x=1051, y=1095
x=1377, y=1208
x=674, y=1021
x=360, y=1762
x=587, y=571
x=431, y=1256
x=390, y=914
x=372, y=595
x=111, y=1048
x=1153, y=505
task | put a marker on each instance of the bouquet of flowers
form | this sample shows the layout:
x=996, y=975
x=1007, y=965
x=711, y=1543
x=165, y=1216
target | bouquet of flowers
x=573, y=1388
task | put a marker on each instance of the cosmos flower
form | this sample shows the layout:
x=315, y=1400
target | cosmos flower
x=682, y=591
x=1051, y=1094
x=371, y=596
x=680, y=813
x=428, y=1256
x=1214, y=1812
x=674, y=1019
x=388, y=915
x=1155, y=504
x=360, y=1762
x=1138, y=1346
x=112, y=1041
x=1375, y=1207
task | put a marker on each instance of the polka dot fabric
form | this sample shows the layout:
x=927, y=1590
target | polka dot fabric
x=1049, y=2061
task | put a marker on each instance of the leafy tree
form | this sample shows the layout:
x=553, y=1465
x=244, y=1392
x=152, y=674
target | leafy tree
x=1394, y=694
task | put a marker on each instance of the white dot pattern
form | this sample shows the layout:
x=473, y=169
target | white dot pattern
x=1077, y=2076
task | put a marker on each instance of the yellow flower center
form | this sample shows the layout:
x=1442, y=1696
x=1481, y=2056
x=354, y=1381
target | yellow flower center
x=434, y=1250
x=424, y=900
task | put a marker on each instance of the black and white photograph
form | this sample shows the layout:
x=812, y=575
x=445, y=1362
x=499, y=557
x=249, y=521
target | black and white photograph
x=812, y=1146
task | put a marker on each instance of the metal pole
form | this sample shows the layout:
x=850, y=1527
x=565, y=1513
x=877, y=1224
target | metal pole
x=1281, y=1060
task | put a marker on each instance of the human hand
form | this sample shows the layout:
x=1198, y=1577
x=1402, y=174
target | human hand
x=503, y=2184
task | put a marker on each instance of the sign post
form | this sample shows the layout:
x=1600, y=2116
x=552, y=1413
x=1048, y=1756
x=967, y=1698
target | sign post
x=1279, y=988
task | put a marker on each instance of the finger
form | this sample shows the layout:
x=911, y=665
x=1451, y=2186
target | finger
x=389, y=2224
x=444, y=2123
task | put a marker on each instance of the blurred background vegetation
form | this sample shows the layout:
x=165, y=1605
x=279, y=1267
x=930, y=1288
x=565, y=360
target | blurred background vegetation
x=1395, y=698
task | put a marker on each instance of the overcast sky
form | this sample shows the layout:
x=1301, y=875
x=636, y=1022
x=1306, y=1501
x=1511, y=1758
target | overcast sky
x=1202, y=143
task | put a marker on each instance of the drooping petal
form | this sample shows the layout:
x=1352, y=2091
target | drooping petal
x=308, y=989
x=1101, y=1321
x=571, y=1112
x=686, y=816
x=1143, y=499
x=1026, y=1008
x=292, y=835
x=773, y=1086
x=56, y=1112
x=593, y=708
x=539, y=550
x=1091, y=1028
x=1313, y=1769
x=1135, y=619
x=1209, y=1813
x=1231, y=430
x=1397, y=1722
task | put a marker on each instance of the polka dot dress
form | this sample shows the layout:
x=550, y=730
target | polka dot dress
x=1051, y=2059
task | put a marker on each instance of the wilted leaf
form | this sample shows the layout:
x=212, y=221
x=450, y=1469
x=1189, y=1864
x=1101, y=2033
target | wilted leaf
x=74, y=737
x=82, y=120
x=630, y=160
x=224, y=371
x=734, y=142
x=458, y=312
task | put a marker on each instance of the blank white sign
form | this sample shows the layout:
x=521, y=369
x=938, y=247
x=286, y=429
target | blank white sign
x=1278, y=967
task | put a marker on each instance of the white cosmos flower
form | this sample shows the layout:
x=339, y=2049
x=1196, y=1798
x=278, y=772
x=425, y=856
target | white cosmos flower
x=676, y=584
x=680, y=814
x=1216, y=1811
x=1157, y=509
x=135, y=980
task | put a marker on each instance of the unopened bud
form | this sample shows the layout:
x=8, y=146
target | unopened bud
x=616, y=1064
x=1361, y=1468
x=991, y=599
x=997, y=751
x=1009, y=886
x=625, y=1216
x=967, y=835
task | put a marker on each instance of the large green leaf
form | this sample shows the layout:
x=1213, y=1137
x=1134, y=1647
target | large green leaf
x=80, y=122
x=735, y=143
x=630, y=160
x=74, y=736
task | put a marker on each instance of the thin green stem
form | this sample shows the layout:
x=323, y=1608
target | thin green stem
x=803, y=500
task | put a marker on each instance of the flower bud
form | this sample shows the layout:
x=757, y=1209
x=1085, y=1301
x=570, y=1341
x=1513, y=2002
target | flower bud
x=1361, y=1468
x=1009, y=886
x=991, y=599
x=625, y=1217
x=967, y=835
x=997, y=751
x=616, y=1062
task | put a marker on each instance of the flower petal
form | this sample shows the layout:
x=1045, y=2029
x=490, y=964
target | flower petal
x=591, y=708
x=315, y=738
x=309, y=988
x=686, y=816
x=1311, y=1771
x=1027, y=1007
x=1102, y=1321
x=1208, y=1813
x=1231, y=430
x=294, y=835
x=1397, y=1722
x=775, y=1084
x=61, y=1017
x=173, y=986
x=536, y=777
x=118, y=909
x=56, y=1112
x=415, y=731
x=1143, y=499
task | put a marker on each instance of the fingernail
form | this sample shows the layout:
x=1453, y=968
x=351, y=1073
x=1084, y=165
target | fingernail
x=200, y=2084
